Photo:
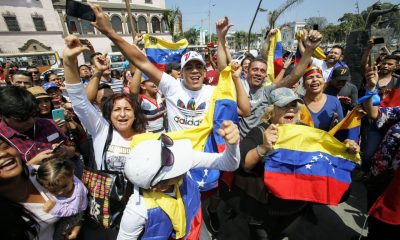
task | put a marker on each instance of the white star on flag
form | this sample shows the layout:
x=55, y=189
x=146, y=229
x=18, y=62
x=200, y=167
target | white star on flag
x=320, y=155
x=205, y=172
x=308, y=166
x=314, y=159
x=201, y=183
x=333, y=170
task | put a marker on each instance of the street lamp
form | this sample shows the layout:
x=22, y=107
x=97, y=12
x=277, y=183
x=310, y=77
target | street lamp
x=209, y=19
x=252, y=22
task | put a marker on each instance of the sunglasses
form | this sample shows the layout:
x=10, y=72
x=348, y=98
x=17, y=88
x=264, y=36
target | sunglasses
x=167, y=157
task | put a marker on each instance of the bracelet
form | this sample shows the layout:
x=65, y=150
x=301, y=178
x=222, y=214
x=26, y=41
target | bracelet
x=259, y=154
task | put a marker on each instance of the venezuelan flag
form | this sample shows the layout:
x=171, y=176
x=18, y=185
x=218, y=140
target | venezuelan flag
x=349, y=127
x=275, y=56
x=161, y=52
x=305, y=116
x=391, y=99
x=308, y=164
x=205, y=137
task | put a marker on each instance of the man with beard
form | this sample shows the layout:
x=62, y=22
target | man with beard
x=341, y=87
x=386, y=69
x=259, y=93
x=332, y=61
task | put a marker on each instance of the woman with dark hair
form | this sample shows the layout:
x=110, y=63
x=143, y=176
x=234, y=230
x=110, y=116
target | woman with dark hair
x=16, y=221
x=126, y=77
x=122, y=118
x=18, y=186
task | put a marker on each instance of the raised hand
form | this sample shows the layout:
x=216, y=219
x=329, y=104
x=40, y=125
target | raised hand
x=230, y=132
x=223, y=26
x=73, y=49
x=102, y=22
x=312, y=39
x=101, y=63
x=138, y=38
x=236, y=70
x=352, y=146
x=371, y=76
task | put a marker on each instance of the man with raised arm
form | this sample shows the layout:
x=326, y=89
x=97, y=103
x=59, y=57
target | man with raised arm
x=187, y=101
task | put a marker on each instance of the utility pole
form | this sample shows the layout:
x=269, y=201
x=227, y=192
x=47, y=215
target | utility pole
x=251, y=26
x=209, y=20
x=358, y=8
x=130, y=19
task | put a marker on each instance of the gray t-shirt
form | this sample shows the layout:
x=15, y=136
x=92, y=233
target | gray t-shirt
x=259, y=101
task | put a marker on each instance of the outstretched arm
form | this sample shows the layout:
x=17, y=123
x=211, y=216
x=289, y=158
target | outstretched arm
x=242, y=100
x=222, y=27
x=372, y=78
x=265, y=46
x=311, y=41
x=365, y=56
x=131, y=52
x=93, y=85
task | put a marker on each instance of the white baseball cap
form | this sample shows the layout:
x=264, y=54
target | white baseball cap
x=190, y=56
x=144, y=161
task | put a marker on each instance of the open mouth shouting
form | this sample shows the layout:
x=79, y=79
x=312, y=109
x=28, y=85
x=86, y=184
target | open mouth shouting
x=8, y=164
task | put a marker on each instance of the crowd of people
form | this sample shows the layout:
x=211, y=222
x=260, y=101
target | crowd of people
x=53, y=129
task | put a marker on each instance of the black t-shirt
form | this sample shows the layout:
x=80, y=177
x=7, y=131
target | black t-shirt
x=252, y=182
x=349, y=90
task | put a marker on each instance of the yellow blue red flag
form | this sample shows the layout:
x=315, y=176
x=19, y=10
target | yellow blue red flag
x=275, y=56
x=161, y=52
x=349, y=127
x=308, y=164
x=205, y=137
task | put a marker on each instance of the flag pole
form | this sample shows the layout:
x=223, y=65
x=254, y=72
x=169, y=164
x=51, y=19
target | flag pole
x=130, y=19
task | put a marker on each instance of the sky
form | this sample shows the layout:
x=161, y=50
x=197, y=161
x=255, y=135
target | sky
x=241, y=12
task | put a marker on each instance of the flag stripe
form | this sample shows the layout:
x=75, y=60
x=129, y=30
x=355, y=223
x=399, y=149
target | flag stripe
x=153, y=42
x=164, y=56
x=315, y=164
x=323, y=190
x=316, y=140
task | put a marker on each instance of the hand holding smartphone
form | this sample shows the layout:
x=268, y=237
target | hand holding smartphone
x=80, y=10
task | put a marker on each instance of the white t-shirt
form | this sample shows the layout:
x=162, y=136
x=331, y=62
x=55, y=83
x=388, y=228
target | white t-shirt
x=322, y=64
x=135, y=214
x=186, y=109
x=46, y=220
x=117, y=152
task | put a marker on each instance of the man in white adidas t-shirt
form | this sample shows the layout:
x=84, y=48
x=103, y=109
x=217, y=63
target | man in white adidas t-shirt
x=187, y=100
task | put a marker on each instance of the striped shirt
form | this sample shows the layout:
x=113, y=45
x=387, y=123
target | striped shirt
x=115, y=84
x=154, y=112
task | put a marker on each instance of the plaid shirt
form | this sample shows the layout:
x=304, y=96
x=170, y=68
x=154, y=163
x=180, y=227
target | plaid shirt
x=46, y=133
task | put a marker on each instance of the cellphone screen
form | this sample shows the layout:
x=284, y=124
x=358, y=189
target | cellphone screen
x=80, y=10
x=58, y=114
x=379, y=40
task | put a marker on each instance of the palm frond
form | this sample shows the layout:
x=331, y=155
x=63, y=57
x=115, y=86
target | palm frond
x=274, y=15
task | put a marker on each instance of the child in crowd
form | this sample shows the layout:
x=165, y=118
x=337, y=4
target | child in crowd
x=57, y=176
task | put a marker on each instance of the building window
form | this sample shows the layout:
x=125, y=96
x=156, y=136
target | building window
x=116, y=24
x=12, y=23
x=129, y=24
x=142, y=24
x=155, y=24
x=39, y=23
x=87, y=28
x=74, y=26
x=148, y=1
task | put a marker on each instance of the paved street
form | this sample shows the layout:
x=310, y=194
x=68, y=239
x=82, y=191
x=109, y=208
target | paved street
x=334, y=223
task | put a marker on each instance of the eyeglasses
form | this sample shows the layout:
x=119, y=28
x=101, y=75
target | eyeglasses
x=167, y=157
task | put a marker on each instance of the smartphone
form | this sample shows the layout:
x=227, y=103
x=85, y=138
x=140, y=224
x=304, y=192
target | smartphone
x=58, y=114
x=84, y=41
x=315, y=27
x=379, y=40
x=79, y=10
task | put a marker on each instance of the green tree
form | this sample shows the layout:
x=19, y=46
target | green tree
x=192, y=35
x=171, y=17
x=274, y=15
x=239, y=39
x=322, y=22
